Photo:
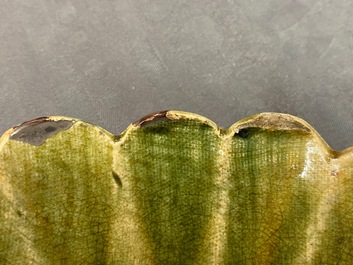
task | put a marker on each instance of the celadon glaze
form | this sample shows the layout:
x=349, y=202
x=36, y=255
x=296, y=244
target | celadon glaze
x=174, y=188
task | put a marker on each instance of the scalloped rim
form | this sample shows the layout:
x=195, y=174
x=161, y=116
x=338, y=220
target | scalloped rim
x=267, y=120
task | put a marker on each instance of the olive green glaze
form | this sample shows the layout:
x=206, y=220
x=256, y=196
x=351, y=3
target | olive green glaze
x=174, y=189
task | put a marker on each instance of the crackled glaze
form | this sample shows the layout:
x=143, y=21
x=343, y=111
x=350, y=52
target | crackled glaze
x=174, y=188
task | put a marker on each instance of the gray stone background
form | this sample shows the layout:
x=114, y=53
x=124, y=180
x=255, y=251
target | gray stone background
x=112, y=62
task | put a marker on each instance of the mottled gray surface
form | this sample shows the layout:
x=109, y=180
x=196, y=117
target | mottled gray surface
x=112, y=62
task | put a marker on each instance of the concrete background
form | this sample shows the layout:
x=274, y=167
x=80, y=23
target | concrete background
x=112, y=62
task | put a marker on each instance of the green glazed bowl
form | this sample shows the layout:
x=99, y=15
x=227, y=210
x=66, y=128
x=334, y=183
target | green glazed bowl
x=174, y=188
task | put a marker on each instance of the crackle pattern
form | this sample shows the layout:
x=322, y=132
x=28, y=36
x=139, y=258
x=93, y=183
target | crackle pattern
x=174, y=188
